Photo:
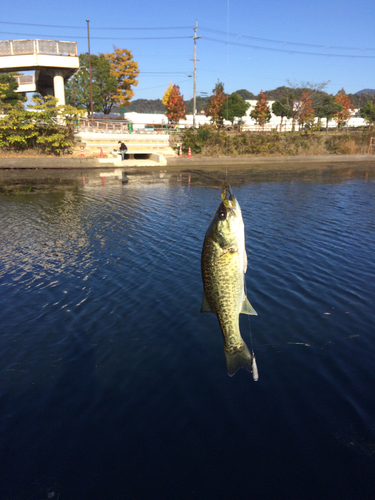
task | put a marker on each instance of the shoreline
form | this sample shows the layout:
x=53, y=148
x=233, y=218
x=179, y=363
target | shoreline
x=27, y=174
x=30, y=162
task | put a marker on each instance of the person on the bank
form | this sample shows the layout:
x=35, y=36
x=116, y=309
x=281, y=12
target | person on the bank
x=123, y=150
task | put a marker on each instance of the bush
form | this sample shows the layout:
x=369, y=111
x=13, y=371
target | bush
x=41, y=129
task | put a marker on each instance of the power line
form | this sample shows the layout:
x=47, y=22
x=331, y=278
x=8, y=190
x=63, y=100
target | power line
x=99, y=37
x=96, y=28
x=283, y=42
x=286, y=50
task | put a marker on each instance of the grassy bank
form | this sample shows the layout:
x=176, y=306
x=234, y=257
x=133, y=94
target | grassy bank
x=207, y=141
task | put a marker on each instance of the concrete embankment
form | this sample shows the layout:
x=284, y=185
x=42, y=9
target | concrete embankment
x=32, y=174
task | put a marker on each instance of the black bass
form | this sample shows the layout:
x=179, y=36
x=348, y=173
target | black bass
x=224, y=264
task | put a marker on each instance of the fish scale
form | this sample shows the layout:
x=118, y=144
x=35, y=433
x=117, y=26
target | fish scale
x=223, y=266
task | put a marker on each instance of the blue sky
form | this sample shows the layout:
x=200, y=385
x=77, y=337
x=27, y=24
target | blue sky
x=247, y=45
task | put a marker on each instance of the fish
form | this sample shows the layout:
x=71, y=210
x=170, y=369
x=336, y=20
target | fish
x=223, y=267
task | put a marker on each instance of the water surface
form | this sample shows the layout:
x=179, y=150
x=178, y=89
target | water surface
x=113, y=385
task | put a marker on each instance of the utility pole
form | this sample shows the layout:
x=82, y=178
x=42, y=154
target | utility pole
x=195, y=37
x=74, y=90
x=88, y=39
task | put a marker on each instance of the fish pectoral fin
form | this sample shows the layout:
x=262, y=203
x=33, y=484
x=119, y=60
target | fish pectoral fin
x=247, y=308
x=205, y=307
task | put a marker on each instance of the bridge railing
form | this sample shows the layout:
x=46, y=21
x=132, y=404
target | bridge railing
x=25, y=79
x=36, y=46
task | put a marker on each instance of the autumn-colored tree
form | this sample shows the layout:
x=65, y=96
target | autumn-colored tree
x=343, y=116
x=305, y=114
x=215, y=107
x=125, y=70
x=176, y=109
x=261, y=113
x=166, y=95
x=292, y=101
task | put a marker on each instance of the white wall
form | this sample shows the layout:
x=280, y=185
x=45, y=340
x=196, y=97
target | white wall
x=159, y=119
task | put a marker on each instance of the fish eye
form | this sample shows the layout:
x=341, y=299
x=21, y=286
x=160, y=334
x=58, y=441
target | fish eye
x=222, y=215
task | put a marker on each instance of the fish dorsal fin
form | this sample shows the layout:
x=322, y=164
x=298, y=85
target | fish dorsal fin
x=247, y=308
x=205, y=307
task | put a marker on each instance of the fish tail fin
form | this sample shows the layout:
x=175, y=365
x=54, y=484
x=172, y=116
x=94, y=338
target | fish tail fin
x=238, y=357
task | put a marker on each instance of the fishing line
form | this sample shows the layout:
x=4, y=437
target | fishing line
x=226, y=135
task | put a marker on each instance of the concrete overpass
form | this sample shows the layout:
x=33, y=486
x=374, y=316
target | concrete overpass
x=54, y=63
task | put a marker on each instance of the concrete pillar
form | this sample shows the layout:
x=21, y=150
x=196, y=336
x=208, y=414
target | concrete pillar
x=58, y=87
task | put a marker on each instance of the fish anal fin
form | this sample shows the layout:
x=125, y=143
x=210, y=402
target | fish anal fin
x=247, y=308
x=205, y=307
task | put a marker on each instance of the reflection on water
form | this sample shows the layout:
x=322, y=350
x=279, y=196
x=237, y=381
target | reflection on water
x=114, y=386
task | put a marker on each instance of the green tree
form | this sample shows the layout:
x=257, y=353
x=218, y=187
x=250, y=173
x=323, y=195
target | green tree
x=8, y=95
x=368, y=112
x=41, y=127
x=215, y=104
x=280, y=108
x=79, y=86
x=234, y=107
x=261, y=113
x=104, y=85
x=328, y=109
x=105, y=82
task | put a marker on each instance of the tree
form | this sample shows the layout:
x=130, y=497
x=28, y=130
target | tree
x=293, y=94
x=368, y=112
x=125, y=71
x=343, y=116
x=328, y=109
x=279, y=108
x=261, y=113
x=105, y=82
x=166, y=95
x=40, y=127
x=79, y=85
x=176, y=109
x=305, y=110
x=234, y=107
x=8, y=87
x=215, y=104
x=113, y=75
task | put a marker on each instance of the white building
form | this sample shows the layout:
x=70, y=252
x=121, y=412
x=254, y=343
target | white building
x=140, y=120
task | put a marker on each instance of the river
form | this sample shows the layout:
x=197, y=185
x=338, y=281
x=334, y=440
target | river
x=114, y=386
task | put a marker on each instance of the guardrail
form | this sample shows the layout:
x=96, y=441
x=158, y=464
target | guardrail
x=25, y=79
x=124, y=126
x=36, y=46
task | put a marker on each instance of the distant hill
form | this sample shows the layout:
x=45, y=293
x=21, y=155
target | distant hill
x=358, y=100
x=246, y=95
x=365, y=91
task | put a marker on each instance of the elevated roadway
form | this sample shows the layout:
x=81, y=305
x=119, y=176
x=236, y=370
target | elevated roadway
x=54, y=62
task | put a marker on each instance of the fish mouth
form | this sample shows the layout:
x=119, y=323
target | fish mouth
x=229, y=204
x=228, y=199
